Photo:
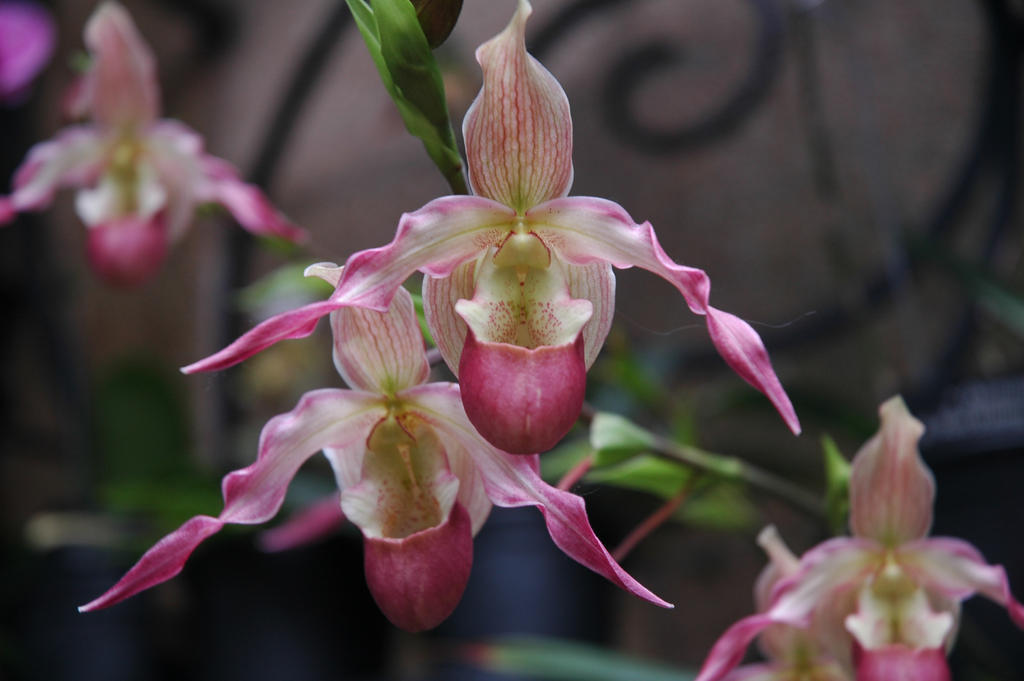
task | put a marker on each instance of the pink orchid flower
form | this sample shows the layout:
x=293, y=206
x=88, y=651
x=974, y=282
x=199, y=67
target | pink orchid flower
x=26, y=43
x=415, y=476
x=519, y=289
x=793, y=653
x=885, y=601
x=139, y=178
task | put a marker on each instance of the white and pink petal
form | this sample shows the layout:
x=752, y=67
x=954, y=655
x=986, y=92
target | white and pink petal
x=380, y=352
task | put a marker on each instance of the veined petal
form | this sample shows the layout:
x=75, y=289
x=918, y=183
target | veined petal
x=518, y=131
x=75, y=157
x=440, y=294
x=417, y=581
x=596, y=283
x=891, y=490
x=305, y=526
x=434, y=239
x=254, y=494
x=26, y=43
x=585, y=230
x=122, y=79
x=513, y=481
x=380, y=353
x=956, y=570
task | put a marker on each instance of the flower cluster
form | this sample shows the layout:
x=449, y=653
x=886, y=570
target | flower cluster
x=415, y=476
x=884, y=603
x=139, y=178
x=518, y=291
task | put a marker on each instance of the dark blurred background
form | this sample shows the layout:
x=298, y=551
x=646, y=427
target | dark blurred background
x=846, y=171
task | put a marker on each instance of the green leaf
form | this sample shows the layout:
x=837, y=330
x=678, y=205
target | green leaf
x=837, y=485
x=411, y=76
x=720, y=506
x=645, y=473
x=561, y=660
x=616, y=438
x=560, y=460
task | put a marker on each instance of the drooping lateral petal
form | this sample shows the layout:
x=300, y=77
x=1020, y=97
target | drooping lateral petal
x=122, y=79
x=162, y=562
x=585, y=230
x=957, y=570
x=246, y=202
x=380, y=353
x=75, y=157
x=417, y=581
x=513, y=481
x=891, y=490
x=26, y=43
x=254, y=494
x=434, y=239
x=826, y=571
x=730, y=648
x=518, y=131
x=297, y=323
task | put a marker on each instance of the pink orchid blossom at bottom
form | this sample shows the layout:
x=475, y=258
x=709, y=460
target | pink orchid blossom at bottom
x=139, y=178
x=413, y=473
x=886, y=601
x=793, y=653
x=27, y=37
x=519, y=291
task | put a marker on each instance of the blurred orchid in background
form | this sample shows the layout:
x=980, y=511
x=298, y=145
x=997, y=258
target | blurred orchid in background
x=139, y=178
x=886, y=601
x=793, y=653
x=27, y=38
x=414, y=475
x=519, y=289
